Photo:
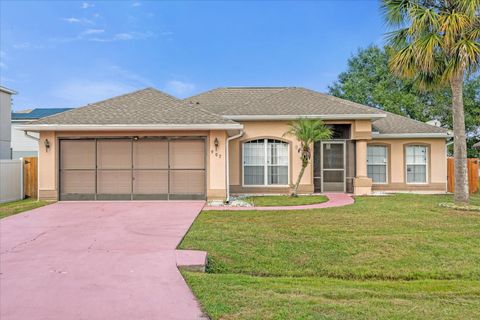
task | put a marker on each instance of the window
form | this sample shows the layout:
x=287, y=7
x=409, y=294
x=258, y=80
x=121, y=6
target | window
x=265, y=162
x=377, y=163
x=416, y=163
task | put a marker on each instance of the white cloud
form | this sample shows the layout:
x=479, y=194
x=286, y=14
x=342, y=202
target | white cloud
x=105, y=82
x=86, y=5
x=136, y=4
x=23, y=45
x=3, y=65
x=80, y=92
x=178, y=87
x=77, y=20
x=93, y=31
x=124, y=36
x=72, y=20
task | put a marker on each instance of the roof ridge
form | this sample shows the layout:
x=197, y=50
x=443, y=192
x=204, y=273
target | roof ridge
x=270, y=95
x=55, y=114
x=258, y=87
x=343, y=101
x=202, y=93
x=243, y=103
x=115, y=97
x=96, y=104
x=195, y=106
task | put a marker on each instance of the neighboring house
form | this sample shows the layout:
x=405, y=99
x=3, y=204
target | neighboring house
x=25, y=145
x=149, y=145
x=5, y=109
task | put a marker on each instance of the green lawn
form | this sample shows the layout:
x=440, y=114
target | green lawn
x=231, y=296
x=14, y=207
x=391, y=257
x=268, y=201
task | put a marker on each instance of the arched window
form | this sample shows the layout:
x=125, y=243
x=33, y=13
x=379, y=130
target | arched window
x=265, y=162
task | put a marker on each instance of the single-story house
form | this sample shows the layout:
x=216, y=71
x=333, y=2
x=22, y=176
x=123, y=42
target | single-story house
x=23, y=145
x=150, y=145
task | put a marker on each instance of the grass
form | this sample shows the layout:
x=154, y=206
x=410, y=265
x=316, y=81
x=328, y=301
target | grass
x=268, y=201
x=227, y=296
x=392, y=257
x=14, y=207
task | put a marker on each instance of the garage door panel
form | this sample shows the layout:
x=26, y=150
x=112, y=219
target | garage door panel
x=150, y=154
x=125, y=169
x=114, y=154
x=187, y=182
x=114, y=184
x=77, y=184
x=187, y=154
x=77, y=154
x=150, y=182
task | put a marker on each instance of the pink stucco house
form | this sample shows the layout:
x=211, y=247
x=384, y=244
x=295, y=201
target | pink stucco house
x=149, y=145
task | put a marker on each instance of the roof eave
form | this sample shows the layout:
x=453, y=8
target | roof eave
x=6, y=90
x=127, y=127
x=444, y=135
x=305, y=116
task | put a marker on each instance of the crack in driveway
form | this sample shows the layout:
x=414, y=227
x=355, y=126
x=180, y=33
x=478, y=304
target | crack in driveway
x=90, y=265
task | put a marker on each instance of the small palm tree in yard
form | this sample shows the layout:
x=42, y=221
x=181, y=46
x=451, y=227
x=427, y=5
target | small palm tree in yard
x=307, y=132
x=436, y=42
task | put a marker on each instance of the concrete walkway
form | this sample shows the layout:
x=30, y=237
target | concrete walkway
x=334, y=200
x=97, y=260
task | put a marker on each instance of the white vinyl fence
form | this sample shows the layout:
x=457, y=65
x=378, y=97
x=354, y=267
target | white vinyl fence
x=11, y=180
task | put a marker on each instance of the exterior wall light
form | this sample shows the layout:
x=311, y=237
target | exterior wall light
x=216, y=143
x=47, y=145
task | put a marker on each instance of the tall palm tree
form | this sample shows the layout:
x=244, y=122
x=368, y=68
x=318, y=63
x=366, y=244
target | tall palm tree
x=307, y=132
x=436, y=42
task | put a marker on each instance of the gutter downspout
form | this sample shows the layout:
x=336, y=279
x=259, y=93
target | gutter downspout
x=38, y=157
x=31, y=137
x=446, y=156
x=227, y=162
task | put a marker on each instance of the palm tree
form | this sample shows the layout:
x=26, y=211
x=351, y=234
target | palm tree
x=307, y=132
x=436, y=43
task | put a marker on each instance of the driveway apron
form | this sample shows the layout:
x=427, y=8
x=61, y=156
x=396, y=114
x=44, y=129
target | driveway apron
x=96, y=260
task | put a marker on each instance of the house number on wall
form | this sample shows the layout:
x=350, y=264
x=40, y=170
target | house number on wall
x=218, y=155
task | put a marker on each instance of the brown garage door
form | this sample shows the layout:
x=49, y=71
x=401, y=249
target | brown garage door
x=132, y=169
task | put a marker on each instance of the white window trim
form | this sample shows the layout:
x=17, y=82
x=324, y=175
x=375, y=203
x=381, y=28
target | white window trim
x=265, y=166
x=386, y=162
x=426, y=164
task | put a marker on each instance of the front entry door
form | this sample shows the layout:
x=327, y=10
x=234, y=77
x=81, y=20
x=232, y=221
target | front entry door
x=333, y=166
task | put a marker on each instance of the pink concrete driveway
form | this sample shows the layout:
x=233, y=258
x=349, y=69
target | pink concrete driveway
x=96, y=260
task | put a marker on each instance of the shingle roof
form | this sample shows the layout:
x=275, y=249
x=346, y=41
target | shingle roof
x=276, y=101
x=222, y=99
x=153, y=107
x=37, y=113
x=144, y=107
x=394, y=123
x=300, y=101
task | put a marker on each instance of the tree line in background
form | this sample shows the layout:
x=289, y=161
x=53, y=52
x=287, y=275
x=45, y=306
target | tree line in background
x=368, y=80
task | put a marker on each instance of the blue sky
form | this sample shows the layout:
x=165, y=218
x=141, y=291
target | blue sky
x=69, y=53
